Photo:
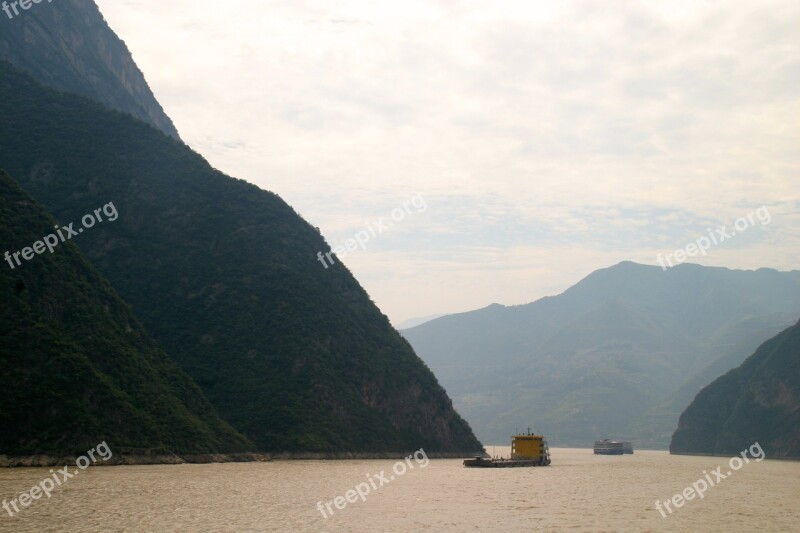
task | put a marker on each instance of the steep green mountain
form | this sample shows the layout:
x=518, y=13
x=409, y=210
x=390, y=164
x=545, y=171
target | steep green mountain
x=78, y=369
x=757, y=402
x=663, y=417
x=68, y=45
x=225, y=277
x=620, y=354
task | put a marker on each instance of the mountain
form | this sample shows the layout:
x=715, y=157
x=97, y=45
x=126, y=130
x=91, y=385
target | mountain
x=78, y=369
x=417, y=321
x=757, y=402
x=225, y=277
x=68, y=45
x=620, y=354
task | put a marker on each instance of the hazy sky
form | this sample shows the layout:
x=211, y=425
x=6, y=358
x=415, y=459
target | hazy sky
x=547, y=139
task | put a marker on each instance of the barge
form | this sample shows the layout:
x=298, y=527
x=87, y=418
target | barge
x=526, y=450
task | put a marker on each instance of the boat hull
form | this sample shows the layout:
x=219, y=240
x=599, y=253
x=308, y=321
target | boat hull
x=480, y=462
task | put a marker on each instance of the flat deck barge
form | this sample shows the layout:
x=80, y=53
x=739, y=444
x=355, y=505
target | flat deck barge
x=480, y=462
x=526, y=450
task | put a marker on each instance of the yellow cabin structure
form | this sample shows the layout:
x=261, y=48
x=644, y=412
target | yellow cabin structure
x=532, y=447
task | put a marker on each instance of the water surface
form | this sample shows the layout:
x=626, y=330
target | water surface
x=579, y=492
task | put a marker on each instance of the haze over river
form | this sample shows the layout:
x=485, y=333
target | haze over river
x=579, y=492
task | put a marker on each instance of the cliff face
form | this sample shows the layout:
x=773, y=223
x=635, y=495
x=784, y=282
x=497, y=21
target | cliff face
x=67, y=45
x=756, y=402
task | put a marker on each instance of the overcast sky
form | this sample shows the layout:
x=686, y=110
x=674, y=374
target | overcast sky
x=547, y=139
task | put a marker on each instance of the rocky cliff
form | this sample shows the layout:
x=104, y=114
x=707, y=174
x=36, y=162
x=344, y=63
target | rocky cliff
x=68, y=45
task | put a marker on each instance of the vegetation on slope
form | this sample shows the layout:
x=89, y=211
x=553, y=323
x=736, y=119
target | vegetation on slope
x=756, y=402
x=77, y=368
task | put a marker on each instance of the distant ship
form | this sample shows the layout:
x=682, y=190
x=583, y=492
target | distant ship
x=612, y=447
x=526, y=450
x=627, y=447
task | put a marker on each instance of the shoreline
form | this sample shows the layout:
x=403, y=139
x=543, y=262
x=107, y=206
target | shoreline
x=335, y=456
x=127, y=459
x=704, y=454
x=131, y=459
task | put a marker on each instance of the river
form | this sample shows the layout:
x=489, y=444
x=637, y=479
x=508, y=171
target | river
x=579, y=492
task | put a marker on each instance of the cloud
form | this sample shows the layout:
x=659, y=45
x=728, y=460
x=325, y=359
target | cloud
x=549, y=138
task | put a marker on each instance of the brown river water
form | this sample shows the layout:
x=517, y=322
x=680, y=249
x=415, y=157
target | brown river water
x=579, y=492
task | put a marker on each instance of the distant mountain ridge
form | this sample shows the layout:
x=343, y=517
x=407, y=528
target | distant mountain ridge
x=68, y=45
x=758, y=401
x=610, y=355
x=417, y=321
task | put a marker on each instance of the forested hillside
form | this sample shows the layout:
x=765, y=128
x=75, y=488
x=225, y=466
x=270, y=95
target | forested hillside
x=77, y=368
x=757, y=402
x=224, y=276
